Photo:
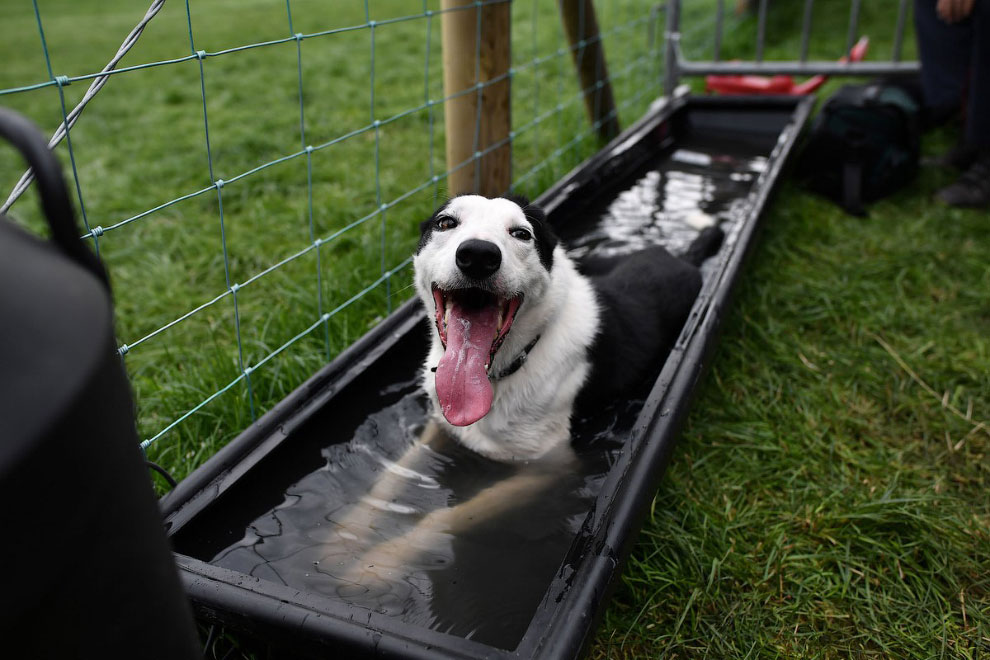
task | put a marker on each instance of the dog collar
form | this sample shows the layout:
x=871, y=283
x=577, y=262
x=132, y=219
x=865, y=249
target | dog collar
x=516, y=364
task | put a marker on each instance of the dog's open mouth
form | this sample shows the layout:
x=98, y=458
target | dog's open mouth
x=473, y=324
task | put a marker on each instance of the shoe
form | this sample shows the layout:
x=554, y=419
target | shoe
x=972, y=189
x=959, y=157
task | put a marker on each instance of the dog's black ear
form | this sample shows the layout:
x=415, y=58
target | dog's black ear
x=543, y=235
x=426, y=227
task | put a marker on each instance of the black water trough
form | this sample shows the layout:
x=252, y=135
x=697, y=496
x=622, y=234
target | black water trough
x=258, y=530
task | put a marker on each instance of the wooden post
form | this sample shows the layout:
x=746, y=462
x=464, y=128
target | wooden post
x=588, y=52
x=466, y=63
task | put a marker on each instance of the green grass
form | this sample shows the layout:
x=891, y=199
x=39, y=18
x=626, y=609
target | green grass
x=141, y=143
x=829, y=497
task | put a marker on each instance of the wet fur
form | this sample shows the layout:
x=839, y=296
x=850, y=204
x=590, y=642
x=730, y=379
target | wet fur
x=602, y=331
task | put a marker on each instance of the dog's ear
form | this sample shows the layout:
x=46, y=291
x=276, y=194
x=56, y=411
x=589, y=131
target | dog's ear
x=425, y=231
x=427, y=226
x=543, y=235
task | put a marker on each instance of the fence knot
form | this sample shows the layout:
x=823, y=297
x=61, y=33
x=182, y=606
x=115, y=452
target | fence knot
x=299, y=36
x=219, y=183
x=201, y=54
x=122, y=351
x=62, y=81
x=97, y=231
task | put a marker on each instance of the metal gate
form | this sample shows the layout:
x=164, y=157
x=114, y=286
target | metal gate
x=677, y=65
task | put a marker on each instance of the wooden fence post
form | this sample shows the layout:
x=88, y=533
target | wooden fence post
x=588, y=52
x=477, y=118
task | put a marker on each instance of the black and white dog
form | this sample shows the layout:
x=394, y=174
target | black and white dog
x=521, y=339
x=522, y=336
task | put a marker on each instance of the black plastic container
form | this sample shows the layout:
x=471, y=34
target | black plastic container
x=88, y=569
x=211, y=508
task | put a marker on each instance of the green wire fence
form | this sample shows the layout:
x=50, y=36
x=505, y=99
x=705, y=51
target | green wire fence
x=315, y=242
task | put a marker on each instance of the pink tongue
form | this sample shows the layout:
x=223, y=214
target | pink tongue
x=462, y=382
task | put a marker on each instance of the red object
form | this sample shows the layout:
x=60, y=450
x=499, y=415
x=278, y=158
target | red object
x=778, y=84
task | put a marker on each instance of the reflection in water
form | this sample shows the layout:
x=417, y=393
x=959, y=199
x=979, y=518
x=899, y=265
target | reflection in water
x=406, y=522
x=682, y=193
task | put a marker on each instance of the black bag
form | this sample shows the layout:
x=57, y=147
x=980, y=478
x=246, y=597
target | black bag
x=863, y=145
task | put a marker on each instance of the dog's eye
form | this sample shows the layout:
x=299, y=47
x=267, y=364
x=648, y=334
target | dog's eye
x=445, y=222
x=521, y=234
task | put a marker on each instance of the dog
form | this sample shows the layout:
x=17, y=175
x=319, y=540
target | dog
x=522, y=337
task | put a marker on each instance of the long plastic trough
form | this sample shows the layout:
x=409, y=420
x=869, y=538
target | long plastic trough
x=670, y=148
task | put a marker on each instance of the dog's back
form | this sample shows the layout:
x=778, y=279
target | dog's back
x=645, y=299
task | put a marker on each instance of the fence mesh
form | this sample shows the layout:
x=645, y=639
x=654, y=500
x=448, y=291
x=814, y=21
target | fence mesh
x=253, y=173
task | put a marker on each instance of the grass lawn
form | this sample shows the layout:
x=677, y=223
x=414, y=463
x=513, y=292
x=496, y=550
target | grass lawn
x=142, y=143
x=829, y=497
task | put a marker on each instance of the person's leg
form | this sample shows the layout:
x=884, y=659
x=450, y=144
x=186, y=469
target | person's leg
x=972, y=189
x=978, y=106
x=945, y=50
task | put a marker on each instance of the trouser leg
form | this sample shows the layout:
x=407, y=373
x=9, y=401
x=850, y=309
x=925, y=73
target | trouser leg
x=978, y=107
x=945, y=50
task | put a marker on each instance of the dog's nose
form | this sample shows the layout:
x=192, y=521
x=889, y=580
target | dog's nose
x=477, y=258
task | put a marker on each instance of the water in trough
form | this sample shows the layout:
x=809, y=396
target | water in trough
x=373, y=525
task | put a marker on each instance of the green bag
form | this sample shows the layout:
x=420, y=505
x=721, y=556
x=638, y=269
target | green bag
x=864, y=145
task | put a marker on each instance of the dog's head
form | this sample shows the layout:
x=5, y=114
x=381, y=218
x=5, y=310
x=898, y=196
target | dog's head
x=480, y=266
